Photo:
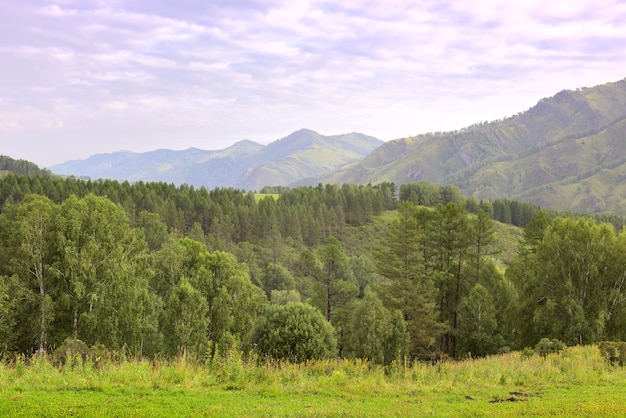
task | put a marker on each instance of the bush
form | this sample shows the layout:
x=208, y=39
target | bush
x=546, y=346
x=527, y=353
x=69, y=351
x=73, y=351
x=613, y=351
x=296, y=332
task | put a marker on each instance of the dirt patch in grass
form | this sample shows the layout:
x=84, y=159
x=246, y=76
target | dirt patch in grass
x=515, y=397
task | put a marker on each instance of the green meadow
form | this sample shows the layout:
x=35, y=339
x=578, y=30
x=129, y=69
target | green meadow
x=575, y=382
x=260, y=196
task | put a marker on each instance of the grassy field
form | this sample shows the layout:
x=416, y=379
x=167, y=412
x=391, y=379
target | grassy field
x=259, y=196
x=577, y=382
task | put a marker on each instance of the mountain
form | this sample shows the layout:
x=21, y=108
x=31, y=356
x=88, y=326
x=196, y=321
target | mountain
x=161, y=165
x=567, y=152
x=304, y=154
x=245, y=165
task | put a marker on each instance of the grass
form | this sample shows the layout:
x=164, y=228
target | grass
x=576, y=382
x=260, y=196
x=507, y=238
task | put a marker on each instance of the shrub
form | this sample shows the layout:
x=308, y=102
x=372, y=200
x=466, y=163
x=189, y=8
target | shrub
x=296, y=332
x=73, y=351
x=527, y=353
x=546, y=346
x=613, y=351
x=70, y=350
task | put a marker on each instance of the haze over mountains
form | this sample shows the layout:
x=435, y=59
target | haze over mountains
x=567, y=152
x=245, y=165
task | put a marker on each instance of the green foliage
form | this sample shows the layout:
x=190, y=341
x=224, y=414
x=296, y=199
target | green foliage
x=277, y=277
x=283, y=297
x=185, y=322
x=478, y=327
x=334, y=265
x=8, y=316
x=117, y=271
x=154, y=229
x=296, y=332
x=547, y=346
x=514, y=212
x=102, y=263
x=613, y=351
x=527, y=353
x=421, y=193
x=375, y=333
x=8, y=164
x=78, y=270
x=570, y=280
x=482, y=233
x=208, y=296
x=31, y=234
x=70, y=351
x=407, y=286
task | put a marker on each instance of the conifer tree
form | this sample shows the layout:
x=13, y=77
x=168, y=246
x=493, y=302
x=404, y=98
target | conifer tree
x=404, y=286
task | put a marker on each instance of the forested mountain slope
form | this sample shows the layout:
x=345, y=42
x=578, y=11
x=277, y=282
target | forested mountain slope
x=566, y=153
x=10, y=165
x=245, y=165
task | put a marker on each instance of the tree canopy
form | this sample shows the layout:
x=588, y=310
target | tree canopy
x=296, y=332
x=153, y=269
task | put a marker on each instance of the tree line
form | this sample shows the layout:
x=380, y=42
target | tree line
x=226, y=215
x=156, y=269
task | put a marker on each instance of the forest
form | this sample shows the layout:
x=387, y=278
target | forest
x=375, y=272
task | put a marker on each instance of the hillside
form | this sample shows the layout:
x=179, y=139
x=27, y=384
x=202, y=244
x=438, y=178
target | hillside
x=304, y=154
x=245, y=165
x=566, y=152
x=161, y=165
x=11, y=165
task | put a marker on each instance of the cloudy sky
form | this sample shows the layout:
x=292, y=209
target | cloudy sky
x=79, y=77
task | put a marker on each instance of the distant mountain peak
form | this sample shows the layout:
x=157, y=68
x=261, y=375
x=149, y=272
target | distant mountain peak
x=244, y=164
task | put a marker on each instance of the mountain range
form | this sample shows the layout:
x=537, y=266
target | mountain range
x=567, y=152
x=245, y=165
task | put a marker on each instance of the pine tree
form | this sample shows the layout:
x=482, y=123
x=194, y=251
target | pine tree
x=404, y=286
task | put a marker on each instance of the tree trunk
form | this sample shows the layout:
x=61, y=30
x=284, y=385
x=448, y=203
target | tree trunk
x=329, y=285
x=43, y=313
x=75, y=324
x=455, y=314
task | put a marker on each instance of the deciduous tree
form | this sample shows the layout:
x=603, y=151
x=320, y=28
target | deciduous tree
x=296, y=332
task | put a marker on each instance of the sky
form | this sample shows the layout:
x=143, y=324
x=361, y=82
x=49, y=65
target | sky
x=81, y=77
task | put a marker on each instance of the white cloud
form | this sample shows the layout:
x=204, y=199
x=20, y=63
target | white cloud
x=56, y=11
x=159, y=72
x=115, y=106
